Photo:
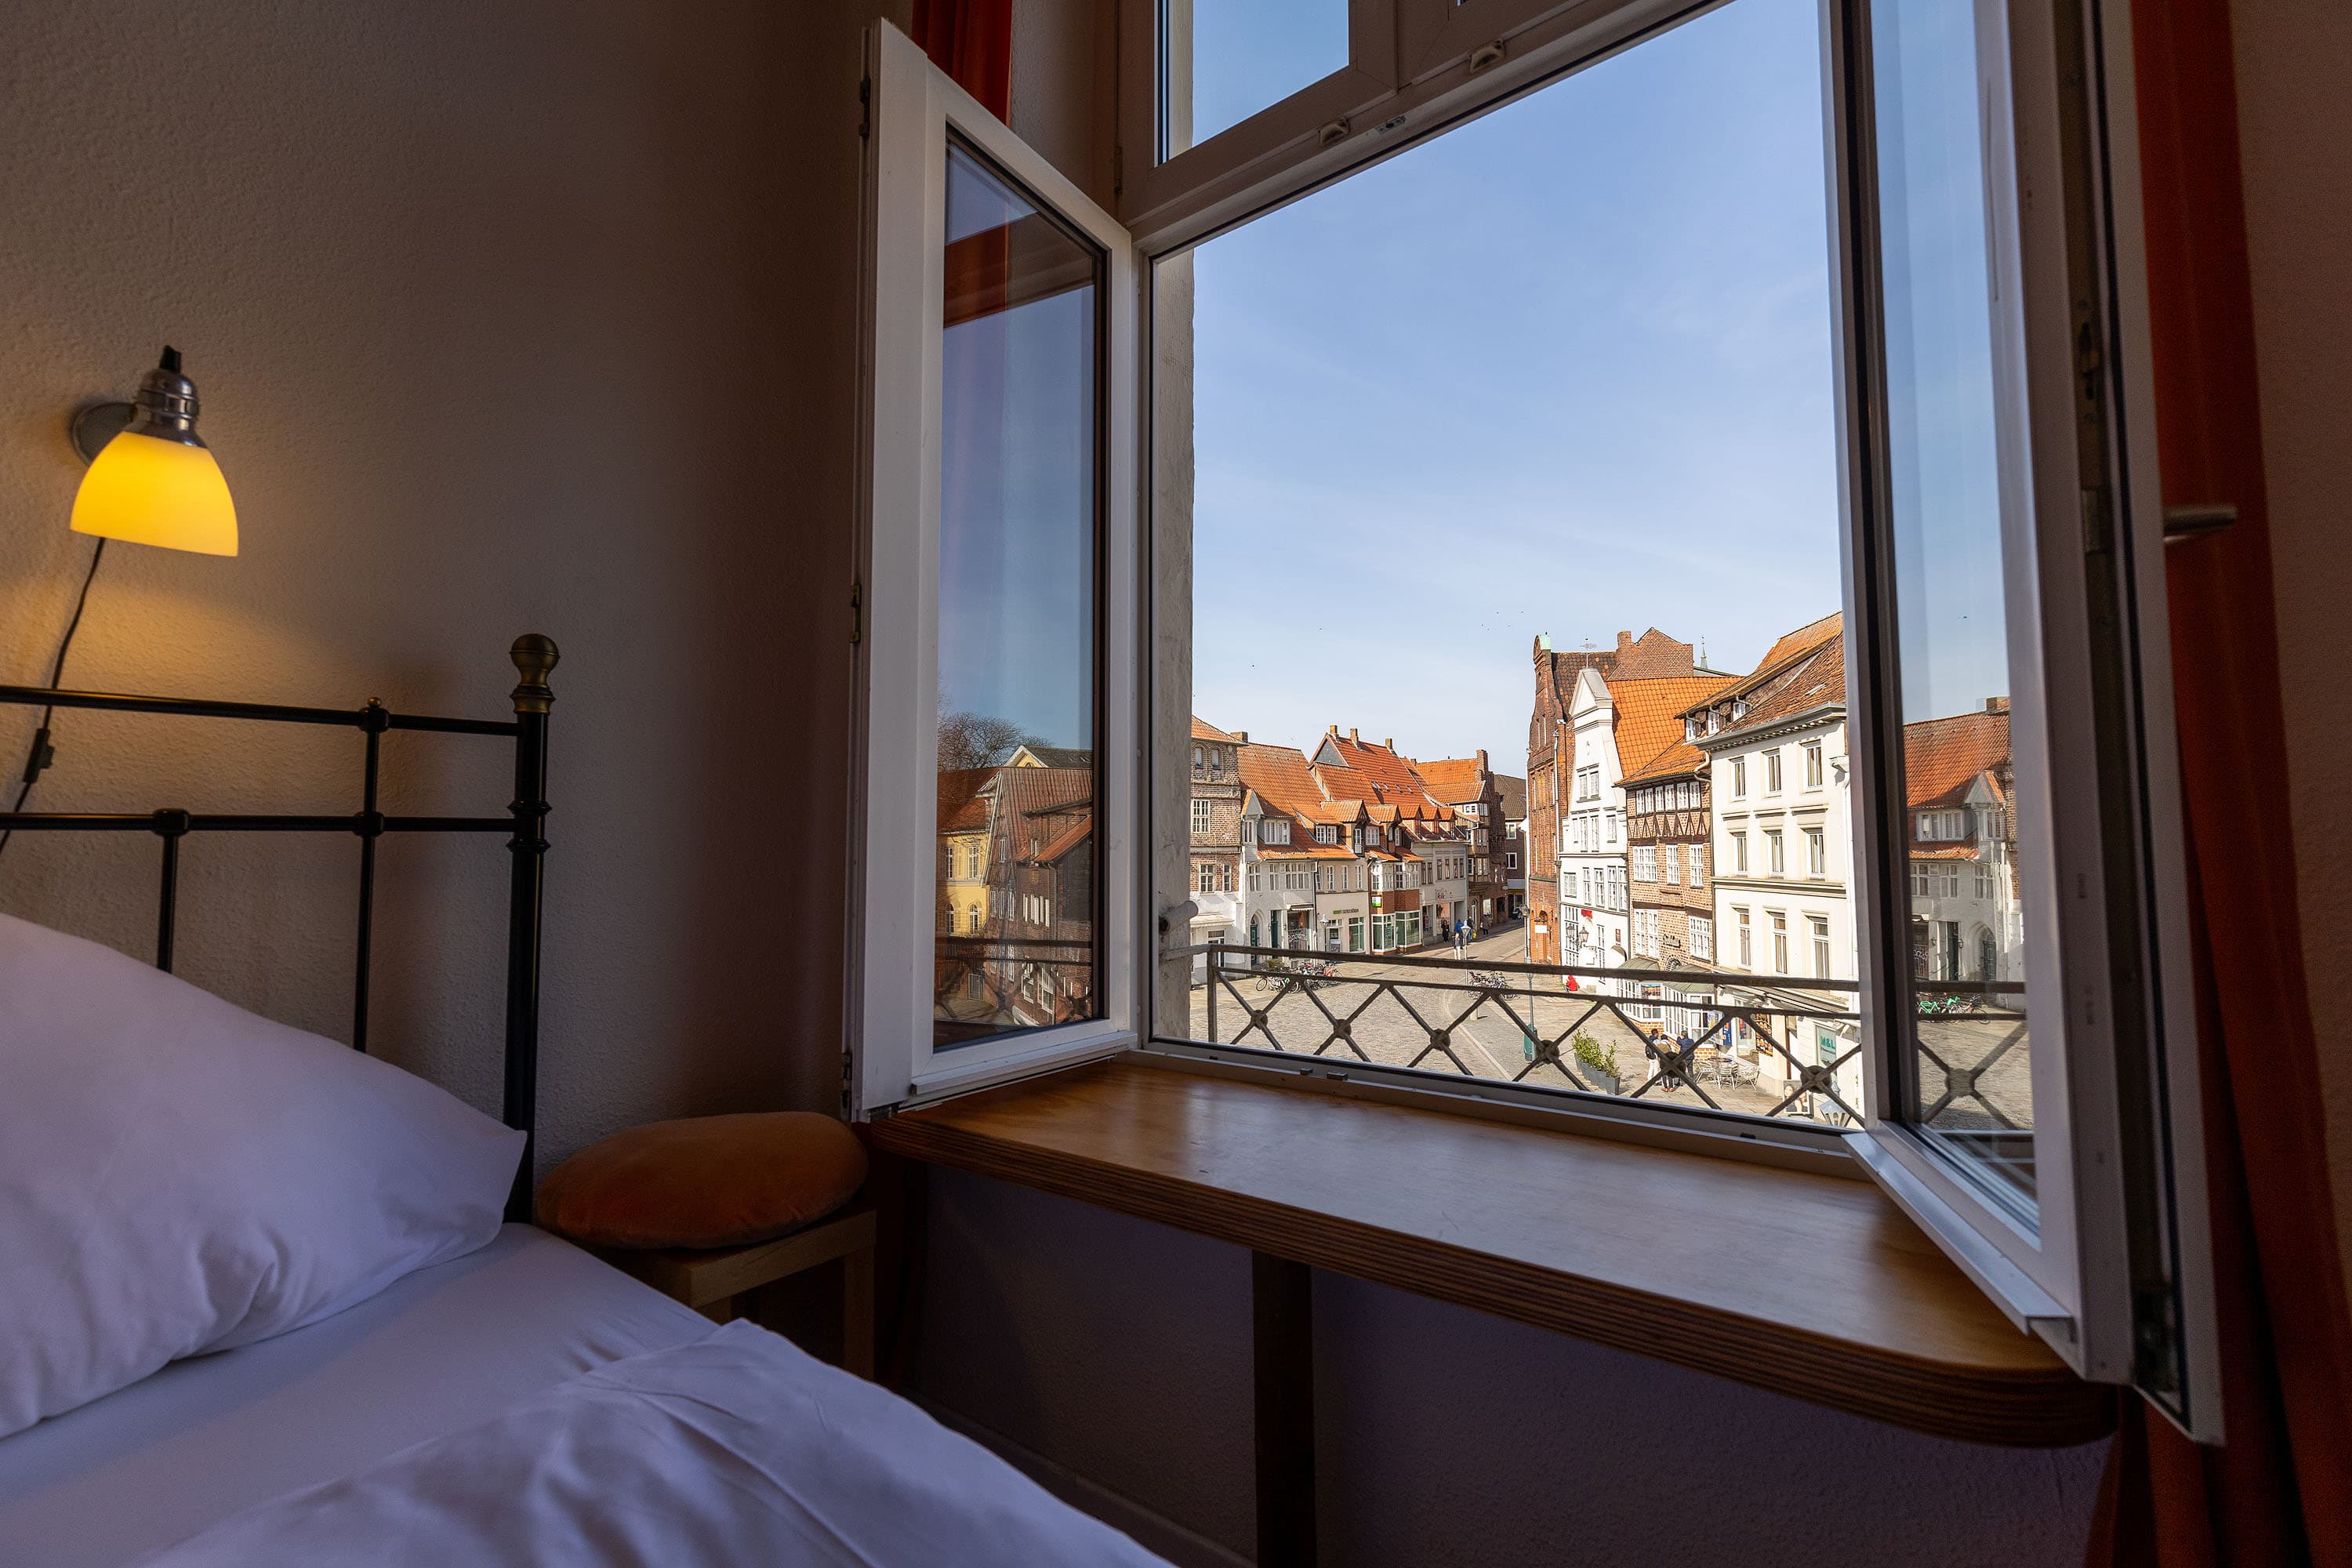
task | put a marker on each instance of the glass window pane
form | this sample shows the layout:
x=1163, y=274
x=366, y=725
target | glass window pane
x=1223, y=60
x=1969, y=1080
x=1020, y=529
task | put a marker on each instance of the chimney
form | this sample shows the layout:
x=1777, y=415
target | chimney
x=1389, y=744
x=1482, y=758
x=1625, y=642
x=1543, y=642
x=1243, y=736
x=1996, y=704
x=1351, y=733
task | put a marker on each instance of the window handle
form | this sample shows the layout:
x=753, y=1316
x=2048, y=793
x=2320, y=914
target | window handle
x=2195, y=522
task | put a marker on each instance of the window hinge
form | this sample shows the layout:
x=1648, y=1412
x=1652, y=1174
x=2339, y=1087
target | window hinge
x=2098, y=533
x=865, y=107
x=856, y=612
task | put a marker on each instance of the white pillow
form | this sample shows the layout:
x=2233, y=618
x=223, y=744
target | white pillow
x=178, y=1176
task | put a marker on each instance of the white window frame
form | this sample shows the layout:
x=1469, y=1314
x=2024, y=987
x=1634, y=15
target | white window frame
x=1200, y=828
x=912, y=108
x=1403, y=84
x=2095, y=767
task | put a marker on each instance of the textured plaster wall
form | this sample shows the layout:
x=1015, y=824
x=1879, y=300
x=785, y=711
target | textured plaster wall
x=2296, y=158
x=528, y=316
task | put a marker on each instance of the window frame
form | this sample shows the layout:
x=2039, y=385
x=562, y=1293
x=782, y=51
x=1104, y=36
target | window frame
x=915, y=110
x=2091, y=716
x=1282, y=153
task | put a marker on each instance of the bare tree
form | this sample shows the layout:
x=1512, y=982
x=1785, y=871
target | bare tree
x=969, y=740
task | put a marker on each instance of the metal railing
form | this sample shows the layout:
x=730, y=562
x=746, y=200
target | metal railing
x=1770, y=1046
x=984, y=984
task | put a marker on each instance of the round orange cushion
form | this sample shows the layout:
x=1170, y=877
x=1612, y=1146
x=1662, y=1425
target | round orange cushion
x=706, y=1181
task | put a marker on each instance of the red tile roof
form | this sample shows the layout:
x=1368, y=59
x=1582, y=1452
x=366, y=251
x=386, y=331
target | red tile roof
x=1812, y=678
x=1069, y=838
x=961, y=807
x=1808, y=635
x=1942, y=757
x=1207, y=731
x=1451, y=780
x=1649, y=715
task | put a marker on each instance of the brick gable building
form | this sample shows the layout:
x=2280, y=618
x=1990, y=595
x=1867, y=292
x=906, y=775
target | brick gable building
x=1551, y=757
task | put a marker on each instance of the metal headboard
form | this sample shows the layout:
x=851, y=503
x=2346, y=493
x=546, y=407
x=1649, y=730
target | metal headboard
x=526, y=820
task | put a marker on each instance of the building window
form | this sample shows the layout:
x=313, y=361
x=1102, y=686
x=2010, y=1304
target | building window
x=1697, y=865
x=1510, y=860
x=1984, y=881
x=1354, y=933
x=1196, y=759
x=1208, y=878
x=1747, y=940
x=1326, y=834
x=1780, y=942
x=1773, y=771
x=1645, y=863
x=1740, y=852
x=1274, y=830
x=1670, y=864
x=1943, y=827
x=1816, y=853
x=1739, y=778
x=1776, y=858
x=1200, y=819
x=1702, y=937
x=1812, y=764
x=1820, y=924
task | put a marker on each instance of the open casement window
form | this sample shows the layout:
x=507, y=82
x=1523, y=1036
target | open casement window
x=994, y=925
x=2033, y=1101
x=2021, y=1046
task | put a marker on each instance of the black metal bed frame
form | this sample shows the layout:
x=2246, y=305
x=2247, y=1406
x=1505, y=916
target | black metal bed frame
x=526, y=820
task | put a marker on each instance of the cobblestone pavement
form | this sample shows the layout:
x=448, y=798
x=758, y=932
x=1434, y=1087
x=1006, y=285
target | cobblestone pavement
x=1485, y=1038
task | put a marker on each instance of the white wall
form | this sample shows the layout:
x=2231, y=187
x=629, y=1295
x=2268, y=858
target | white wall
x=532, y=316
x=2296, y=158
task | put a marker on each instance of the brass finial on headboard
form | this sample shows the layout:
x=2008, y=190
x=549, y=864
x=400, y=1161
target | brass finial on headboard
x=534, y=656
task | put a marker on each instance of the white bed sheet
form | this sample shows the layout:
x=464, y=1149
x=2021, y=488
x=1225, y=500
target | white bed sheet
x=446, y=1347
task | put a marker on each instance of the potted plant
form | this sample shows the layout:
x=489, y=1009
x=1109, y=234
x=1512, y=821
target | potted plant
x=1596, y=1064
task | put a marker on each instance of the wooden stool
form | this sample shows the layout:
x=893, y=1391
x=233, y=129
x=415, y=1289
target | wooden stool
x=707, y=1209
x=714, y=1282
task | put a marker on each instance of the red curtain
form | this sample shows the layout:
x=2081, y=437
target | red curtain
x=971, y=40
x=2280, y=1490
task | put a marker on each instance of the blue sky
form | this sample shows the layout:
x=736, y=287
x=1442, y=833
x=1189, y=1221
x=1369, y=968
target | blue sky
x=1565, y=368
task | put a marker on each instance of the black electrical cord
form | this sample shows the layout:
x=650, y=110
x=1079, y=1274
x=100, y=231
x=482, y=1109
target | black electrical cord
x=43, y=753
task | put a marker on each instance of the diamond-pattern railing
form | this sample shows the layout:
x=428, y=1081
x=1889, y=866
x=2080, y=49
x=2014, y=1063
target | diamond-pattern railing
x=1521, y=1023
x=985, y=983
x=1972, y=1045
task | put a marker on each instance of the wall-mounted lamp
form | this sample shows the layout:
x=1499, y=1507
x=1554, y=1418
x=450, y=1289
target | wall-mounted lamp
x=152, y=479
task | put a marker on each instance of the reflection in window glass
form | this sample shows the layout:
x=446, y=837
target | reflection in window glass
x=1019, y=533
x=1970, y=1079
x=1223, y=60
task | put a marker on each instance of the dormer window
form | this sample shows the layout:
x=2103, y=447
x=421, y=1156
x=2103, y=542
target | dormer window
x=1274, y=830
x=1738, y=709
x=1326, y=835
x=1690, y=727
x=1714, y=721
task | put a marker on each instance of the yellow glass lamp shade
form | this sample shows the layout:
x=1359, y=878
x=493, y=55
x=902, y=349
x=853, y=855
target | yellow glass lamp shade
x=155, y=483
x=151, y=490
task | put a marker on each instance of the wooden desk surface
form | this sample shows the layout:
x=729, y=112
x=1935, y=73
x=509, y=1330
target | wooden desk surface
x=1806, y=1285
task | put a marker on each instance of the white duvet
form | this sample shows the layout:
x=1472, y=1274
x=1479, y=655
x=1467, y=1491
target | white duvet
x=738, y=1448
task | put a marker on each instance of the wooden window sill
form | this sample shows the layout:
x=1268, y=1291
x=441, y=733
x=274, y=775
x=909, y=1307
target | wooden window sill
x=1807, y=1285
